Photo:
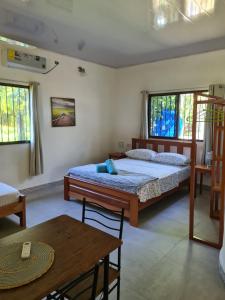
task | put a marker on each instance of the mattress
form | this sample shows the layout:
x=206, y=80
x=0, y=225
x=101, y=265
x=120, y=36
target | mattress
x=144, y=178
x=8, y=194
x=168, y=176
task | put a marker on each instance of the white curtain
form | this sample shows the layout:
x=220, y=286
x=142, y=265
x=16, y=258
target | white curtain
x=144, y=116
x=214, y=90
x=36, y=157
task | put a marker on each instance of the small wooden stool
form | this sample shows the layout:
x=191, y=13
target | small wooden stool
x=12, y=202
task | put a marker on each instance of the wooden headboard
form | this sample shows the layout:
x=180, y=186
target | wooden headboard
x=158, y=145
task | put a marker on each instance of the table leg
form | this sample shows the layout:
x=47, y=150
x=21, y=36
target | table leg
x=106, y=278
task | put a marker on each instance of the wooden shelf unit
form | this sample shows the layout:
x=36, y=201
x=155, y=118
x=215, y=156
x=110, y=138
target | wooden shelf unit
x=217, y=169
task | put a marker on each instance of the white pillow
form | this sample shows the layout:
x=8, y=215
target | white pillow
x=171, y=158
x=143, y=154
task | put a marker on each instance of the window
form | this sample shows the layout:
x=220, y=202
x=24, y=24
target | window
x=170, y=116
x=14, y=114
x=195, y=8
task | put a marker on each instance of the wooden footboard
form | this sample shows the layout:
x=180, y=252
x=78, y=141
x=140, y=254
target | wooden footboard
x=111, y=198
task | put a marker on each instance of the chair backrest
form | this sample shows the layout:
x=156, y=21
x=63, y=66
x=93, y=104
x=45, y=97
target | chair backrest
x=116, y=222
x=83, y=287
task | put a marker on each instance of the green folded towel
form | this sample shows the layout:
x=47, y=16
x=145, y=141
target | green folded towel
x=101, y=168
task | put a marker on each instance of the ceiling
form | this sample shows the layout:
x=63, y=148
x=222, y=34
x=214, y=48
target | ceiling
x=117, y=33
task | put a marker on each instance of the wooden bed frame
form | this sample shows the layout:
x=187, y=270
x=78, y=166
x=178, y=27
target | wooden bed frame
x=18, y=208
x=113, y=198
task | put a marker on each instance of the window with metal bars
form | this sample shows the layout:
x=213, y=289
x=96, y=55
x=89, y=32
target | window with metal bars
x=14, y=114
x=170, y=116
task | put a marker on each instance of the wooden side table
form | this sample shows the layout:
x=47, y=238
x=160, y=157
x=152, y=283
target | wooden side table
x=202, y=169
x=117, y=155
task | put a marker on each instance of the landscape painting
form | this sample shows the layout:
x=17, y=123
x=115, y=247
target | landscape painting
x=63, y=112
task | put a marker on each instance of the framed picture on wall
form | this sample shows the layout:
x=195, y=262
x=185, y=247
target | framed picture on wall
x=63, y=112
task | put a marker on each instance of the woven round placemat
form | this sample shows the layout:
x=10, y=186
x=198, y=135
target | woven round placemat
x=15, y=272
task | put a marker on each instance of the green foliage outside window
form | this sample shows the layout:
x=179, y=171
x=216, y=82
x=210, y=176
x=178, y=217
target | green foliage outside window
x=14, y=114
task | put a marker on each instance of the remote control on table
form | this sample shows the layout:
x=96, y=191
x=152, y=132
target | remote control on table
x=26, y=250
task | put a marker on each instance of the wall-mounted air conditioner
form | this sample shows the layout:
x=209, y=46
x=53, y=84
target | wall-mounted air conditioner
x=17, y=59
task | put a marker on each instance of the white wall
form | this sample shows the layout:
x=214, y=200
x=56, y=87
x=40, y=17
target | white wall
x=181, y=73
x=108, y=108
x=88, y=141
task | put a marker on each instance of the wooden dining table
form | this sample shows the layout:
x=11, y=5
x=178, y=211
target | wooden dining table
x=78, y=247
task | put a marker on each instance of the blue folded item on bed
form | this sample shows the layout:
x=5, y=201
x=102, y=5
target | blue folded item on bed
x=111, y=168
x=126, y=181
x=101, y=168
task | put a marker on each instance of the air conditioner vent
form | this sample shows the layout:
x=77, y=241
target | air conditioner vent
x=17, y=59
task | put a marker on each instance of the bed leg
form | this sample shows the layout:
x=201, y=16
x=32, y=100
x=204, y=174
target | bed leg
x=134, y=212
x=22, y=214
x=66, y=189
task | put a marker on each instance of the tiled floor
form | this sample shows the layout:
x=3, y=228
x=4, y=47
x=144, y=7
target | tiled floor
x=158, y=260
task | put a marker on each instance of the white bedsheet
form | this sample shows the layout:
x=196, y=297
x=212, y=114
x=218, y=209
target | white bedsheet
x=169, y=176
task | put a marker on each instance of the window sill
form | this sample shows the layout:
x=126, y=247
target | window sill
x=14, y=143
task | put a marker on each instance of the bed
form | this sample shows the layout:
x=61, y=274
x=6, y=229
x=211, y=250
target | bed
x=12, y=202
x=124, y=190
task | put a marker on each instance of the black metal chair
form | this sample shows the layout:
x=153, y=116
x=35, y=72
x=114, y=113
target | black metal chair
x=114, y=267
x=84, y=287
